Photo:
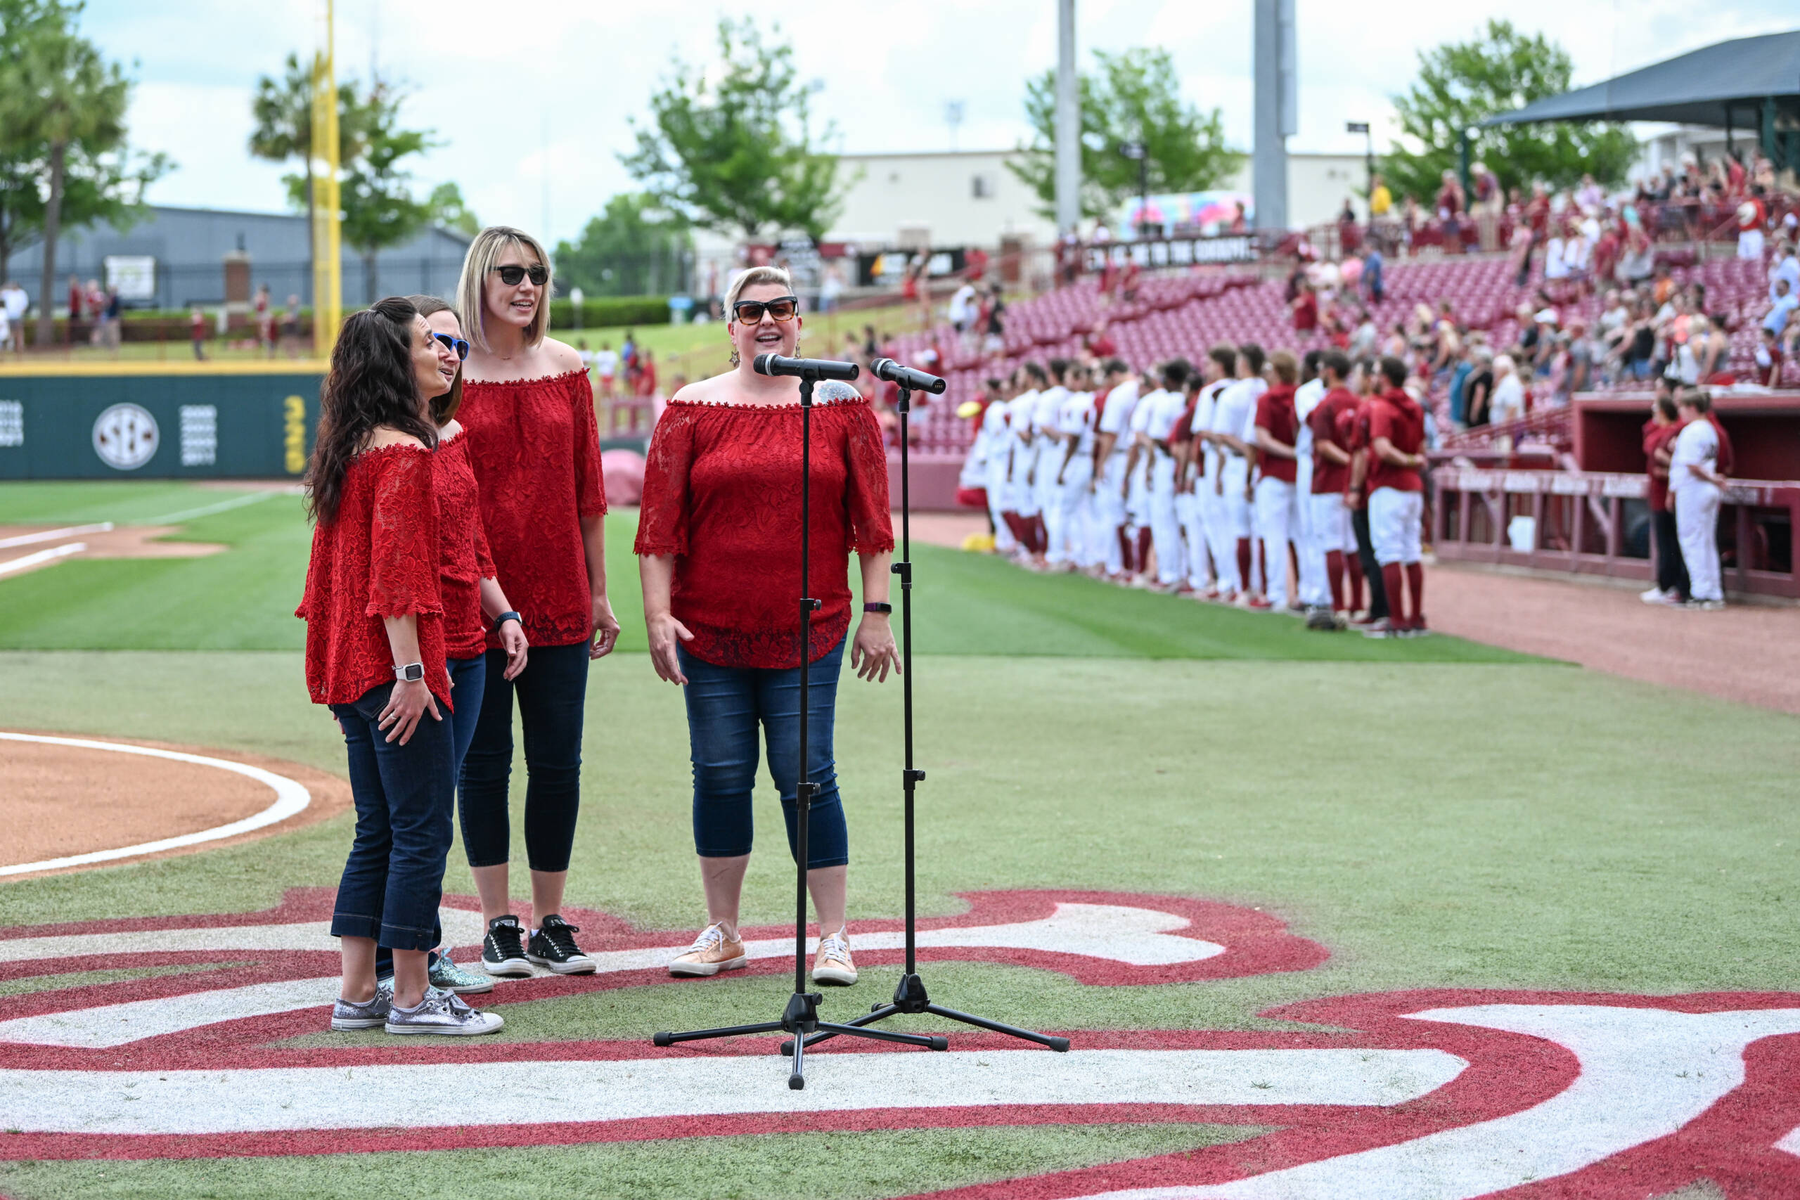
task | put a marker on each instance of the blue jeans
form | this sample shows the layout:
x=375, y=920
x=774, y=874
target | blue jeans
x=725, y=705
x=467, y=676
x=394, y=876
x=552, y=693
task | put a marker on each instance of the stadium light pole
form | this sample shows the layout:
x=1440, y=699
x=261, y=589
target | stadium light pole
x=1068, y=123
x=328, y=295
x=1137, y=153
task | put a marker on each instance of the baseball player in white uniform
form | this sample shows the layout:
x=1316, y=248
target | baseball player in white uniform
x=1046, y=455
x=1234, y=431
x=1166, y=406
x=994, y=442
x=1137, y=478
x=1696, y=489
x=1203, y=468
x=1188, y=467
x=1309, y=550
x=1021, y=497
x=1075, y=471
x=1113, y=441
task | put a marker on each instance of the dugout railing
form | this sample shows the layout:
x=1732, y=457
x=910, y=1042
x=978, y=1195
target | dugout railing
x=1590, y=523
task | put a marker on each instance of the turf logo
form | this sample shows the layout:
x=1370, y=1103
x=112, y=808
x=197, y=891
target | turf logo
x=1429, y=1095
x=125, y=437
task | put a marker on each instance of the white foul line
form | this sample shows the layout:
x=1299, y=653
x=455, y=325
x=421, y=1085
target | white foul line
x=41, y=557
x=208, y=510
x=50, y=535
x=291, y=798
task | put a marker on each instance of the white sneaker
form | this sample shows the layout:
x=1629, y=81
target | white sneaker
x=833, y=964
x=444, y=1014
x=1653, y=596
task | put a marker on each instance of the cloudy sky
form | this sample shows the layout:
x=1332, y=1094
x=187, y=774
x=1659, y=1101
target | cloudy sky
x=531, y=98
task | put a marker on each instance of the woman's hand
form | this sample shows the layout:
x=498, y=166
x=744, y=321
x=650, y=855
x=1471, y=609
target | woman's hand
x=513, y=641
x=406, y=704
x=664, y=630
x=874, y=651
x=606, y=627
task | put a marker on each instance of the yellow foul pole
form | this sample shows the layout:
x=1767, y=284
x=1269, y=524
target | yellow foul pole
x=328, y=294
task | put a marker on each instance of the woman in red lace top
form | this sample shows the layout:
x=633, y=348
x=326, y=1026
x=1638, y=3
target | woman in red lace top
x=719, y=545
x=528, y=417
x=375, y=653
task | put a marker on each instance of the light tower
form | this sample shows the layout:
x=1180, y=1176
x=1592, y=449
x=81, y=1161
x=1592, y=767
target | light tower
x=1277, y=109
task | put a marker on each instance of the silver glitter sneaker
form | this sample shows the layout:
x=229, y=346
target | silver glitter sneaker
x=444, y=1014
x=369, y=1014
x=449, y=977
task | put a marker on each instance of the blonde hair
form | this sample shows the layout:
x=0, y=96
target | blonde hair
x=755, y=277
x=483, y=256
x=1287, y=367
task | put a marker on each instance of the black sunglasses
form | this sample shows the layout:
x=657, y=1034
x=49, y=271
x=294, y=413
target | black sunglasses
x=782, y=308
x=511, y=275
x=455, y=343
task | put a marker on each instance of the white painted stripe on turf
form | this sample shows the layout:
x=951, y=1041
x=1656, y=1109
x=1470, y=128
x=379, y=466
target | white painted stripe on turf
x=508, y=1093
x=291, y=798
x=1645, y=1073
x=50, y=535
x=207, y=510
x=26, y=562
x=1115, y=932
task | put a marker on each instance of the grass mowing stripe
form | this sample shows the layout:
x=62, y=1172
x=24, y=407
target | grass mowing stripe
x=841, y=1166
x=965, y=603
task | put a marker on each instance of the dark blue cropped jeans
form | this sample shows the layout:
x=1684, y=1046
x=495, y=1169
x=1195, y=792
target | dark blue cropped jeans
x=726, y=707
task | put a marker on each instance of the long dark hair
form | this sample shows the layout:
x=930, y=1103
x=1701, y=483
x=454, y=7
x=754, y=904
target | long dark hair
x=443, y=408
x=370, y=383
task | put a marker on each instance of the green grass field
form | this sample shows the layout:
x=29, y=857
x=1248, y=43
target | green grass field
x=1435, y=812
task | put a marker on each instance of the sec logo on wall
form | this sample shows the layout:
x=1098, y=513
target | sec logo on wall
x=125, y=437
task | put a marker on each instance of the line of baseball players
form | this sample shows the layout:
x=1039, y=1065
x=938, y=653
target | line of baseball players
x=1265, y=481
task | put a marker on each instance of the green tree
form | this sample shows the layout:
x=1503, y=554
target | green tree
x=64, y=157
x=1460, y=84
x=450, y=210
x=633, y=248
x=732, y=149
x=282, y=110
x=1135, y=97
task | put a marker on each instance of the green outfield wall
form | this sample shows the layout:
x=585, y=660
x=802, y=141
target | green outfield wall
x=156, y=421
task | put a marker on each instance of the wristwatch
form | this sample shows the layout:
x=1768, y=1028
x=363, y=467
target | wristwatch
x=410, y=673
x=878, y=606
x=504, y=617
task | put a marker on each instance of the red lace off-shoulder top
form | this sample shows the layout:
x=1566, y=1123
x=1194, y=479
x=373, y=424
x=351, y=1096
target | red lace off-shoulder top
x=722, y=494
x=535, y=449
x=463, y=558
x=377, y=557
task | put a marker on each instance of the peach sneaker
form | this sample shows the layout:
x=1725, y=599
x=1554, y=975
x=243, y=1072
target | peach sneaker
x=713, y=951
x=832, y=964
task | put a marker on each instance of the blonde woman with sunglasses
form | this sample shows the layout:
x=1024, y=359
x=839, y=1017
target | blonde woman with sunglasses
x=719, y=553
x=528, y=415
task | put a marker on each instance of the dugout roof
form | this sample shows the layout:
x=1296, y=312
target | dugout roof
x=1719, y=85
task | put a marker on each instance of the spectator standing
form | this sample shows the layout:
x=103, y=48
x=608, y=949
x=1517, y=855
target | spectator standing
x=1508, y=403
x=606, y=366
x=77, y=303
x=1478, y=391
x=1751, y=217
x=290, y=327
x=1381, y=200
x=13, y=304
x=1695, y=490
x=265, y=322
x=1660, y=432
x=1373, y=285
x=1781, y=309
x=197, y=332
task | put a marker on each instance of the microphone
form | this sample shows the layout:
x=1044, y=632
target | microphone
x=805, y=368
x=906, y=377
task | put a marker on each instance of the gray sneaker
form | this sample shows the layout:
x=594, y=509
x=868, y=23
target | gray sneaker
x=369, y=1014
x=442, y=1013
x=449, y=977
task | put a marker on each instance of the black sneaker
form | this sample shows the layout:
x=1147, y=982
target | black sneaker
x=503, y=951
x=553, y=945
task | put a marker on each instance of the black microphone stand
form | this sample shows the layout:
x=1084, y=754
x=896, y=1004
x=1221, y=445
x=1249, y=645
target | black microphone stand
x=910, y=997
x=802, y=1014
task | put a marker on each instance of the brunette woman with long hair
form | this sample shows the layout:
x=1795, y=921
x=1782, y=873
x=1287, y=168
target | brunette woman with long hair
x=719, y=549
x=534, y=445
x=375, y=653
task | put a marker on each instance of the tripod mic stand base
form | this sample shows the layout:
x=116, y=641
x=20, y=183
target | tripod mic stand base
x=910, y=999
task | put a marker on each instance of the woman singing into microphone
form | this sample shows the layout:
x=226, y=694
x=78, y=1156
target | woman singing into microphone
x=719, y=543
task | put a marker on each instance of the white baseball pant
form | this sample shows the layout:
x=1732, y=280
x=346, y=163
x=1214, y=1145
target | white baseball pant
x=1697, y=528
x=1394, y=518
x=1275, y=521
